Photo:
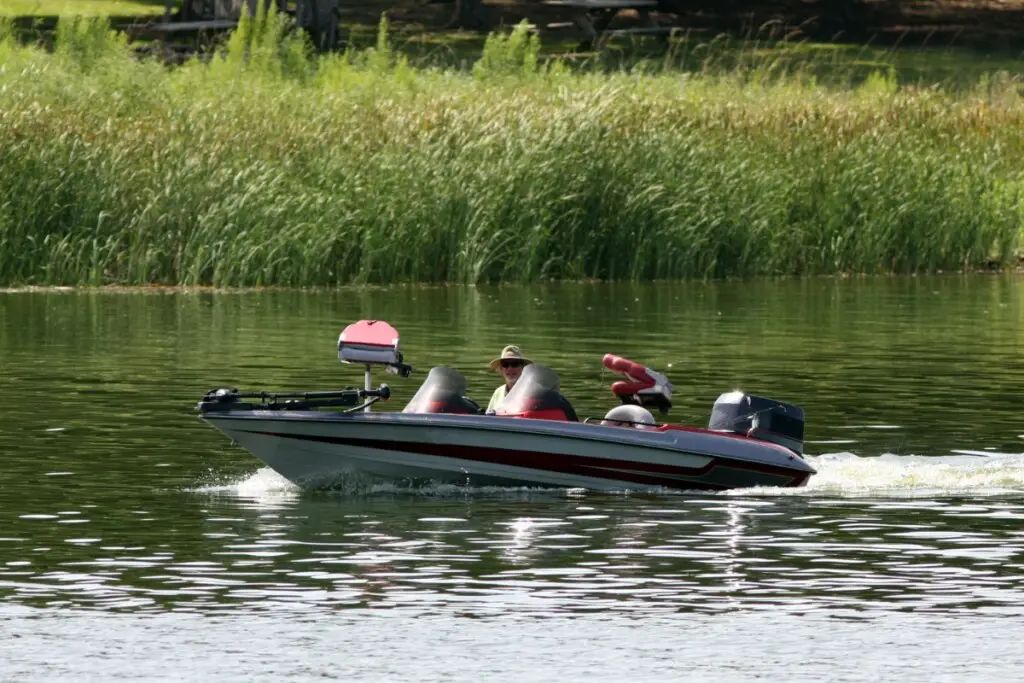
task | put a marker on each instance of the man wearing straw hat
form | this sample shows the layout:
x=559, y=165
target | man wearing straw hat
x=510, y=364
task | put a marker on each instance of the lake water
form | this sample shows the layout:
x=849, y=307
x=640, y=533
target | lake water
x=137, y=544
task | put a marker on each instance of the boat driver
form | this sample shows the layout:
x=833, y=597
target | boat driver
x=510, y=364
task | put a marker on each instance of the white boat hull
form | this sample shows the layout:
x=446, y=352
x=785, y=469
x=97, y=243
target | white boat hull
x=318, y=450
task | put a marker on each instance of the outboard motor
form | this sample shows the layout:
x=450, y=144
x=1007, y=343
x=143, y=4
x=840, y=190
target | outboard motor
x=536, y=394
x=759, y=418
x=443, y=391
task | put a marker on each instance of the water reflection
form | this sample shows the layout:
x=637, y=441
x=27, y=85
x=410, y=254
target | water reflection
x=523, y=552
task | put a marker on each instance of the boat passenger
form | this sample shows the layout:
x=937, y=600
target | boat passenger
x=633, y=416
x=510, y=364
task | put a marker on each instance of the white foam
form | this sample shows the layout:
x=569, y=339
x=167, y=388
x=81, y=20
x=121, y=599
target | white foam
x=265, y=488
x=844, y=474
x=263, y=482
x=974, y=472
x=268, y=487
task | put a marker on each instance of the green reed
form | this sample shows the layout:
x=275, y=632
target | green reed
x=269, y=166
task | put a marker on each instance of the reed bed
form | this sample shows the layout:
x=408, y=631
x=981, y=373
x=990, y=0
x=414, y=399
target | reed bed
x=267, y=165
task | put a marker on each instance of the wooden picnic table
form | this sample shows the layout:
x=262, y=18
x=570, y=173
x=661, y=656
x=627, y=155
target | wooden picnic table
x=594, y=18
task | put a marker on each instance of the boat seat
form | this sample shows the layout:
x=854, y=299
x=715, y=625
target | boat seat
x=551, y=407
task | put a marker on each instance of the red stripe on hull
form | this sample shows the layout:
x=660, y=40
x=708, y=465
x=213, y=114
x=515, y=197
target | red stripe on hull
x=650, y=474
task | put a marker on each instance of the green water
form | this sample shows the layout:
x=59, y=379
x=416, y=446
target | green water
x=116, y=499
x=912, y=366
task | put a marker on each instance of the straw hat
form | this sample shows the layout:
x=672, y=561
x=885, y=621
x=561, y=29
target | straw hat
x=510, y=351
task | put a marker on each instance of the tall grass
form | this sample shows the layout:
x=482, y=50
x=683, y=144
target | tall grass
x=268, y=165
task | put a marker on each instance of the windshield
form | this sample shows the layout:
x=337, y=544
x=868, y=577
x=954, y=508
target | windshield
x=442, y=391
x=537, y=390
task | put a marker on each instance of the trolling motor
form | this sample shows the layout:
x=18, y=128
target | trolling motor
x=367, y=342
x=232, y=400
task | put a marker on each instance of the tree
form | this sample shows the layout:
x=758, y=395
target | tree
x=471, y=15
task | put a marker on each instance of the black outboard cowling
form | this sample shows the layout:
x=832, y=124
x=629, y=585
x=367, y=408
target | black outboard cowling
x=760, y=418
x=537, y=395
x=443, y=391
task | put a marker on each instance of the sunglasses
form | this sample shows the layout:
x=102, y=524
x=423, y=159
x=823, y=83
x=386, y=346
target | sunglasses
x=512, y=363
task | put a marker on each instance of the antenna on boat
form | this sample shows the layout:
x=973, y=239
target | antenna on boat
x=369, y=343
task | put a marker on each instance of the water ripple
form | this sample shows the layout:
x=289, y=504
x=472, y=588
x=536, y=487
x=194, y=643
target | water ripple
x=509, y=552
x=116, y=498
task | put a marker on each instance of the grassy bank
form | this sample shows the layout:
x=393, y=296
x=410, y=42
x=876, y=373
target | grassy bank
x=266, y=166
x=93, y=8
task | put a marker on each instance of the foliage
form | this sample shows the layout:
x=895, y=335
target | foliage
x=269, y=165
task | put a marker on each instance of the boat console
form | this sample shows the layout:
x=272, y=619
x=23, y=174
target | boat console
x=537, y=395
x=444, y=391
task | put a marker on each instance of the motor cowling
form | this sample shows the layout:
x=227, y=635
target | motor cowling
x=760, y=418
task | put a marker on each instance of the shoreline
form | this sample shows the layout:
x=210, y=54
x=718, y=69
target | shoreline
x=314, y=289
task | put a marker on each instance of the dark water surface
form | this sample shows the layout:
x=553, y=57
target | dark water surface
x=136, y=543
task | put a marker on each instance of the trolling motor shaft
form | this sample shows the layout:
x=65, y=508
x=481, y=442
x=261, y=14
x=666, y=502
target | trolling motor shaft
x=227, y=400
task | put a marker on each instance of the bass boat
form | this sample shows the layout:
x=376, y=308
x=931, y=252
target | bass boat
x=319, y=439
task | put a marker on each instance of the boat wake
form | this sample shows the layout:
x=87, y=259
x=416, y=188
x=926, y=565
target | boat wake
x=267, y=487
x=975, y=473
x=262, y=482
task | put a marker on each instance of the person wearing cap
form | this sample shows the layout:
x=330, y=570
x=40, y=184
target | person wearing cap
x=510, y=364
